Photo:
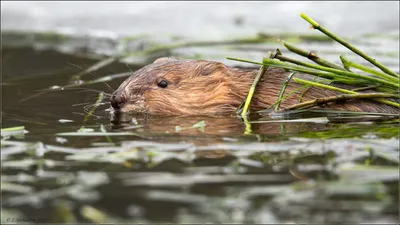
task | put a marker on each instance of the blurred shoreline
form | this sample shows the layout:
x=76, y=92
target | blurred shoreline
x=200, y=20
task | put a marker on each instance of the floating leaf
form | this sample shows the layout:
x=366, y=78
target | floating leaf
x=65, y=121
x=88, y=134
x=11, y=187
x=92, y=214
x=17, y=132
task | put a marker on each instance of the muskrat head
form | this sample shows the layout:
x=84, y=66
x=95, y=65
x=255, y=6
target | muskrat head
x=177, y=87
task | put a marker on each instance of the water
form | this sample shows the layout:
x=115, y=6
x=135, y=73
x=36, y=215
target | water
x=169, y=171
x=182, y=169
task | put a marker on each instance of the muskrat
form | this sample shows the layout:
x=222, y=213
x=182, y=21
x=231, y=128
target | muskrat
x=199, y=87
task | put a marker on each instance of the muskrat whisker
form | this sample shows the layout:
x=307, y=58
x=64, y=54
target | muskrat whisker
x=129, y=67
x=48, y=90
x=106, y=94
x=105, y=83
x=98, y=103
x=86, y=107
x=79, y=104
x=82, y=114
x=92, y=73
x=89, y=89
x=89, y=105
x=103, y=103
x=73, y=64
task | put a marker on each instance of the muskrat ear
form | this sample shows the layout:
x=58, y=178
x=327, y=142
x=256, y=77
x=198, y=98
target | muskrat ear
x=212, y=67
x=164, y=59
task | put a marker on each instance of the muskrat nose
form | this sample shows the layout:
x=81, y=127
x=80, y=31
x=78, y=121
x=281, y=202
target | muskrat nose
x=117, y=101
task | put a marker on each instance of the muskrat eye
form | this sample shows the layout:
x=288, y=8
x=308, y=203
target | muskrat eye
x=163, y=84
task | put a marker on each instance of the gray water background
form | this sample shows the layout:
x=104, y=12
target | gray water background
x=210, y=20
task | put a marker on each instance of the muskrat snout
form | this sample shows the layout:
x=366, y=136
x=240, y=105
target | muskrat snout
x=117, y=101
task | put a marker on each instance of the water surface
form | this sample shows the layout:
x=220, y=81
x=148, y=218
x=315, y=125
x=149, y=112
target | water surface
x=304, y=168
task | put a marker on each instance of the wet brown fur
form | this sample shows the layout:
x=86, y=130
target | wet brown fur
x=199, y=87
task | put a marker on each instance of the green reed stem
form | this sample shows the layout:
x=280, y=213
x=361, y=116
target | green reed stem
x=283, y=90
x=349, y=46
x=9, y=129
x=95, y=105
x=302, y=70
x=284, y=97
x=332, y=88
x=311, y=55
x=347, y=63
x=334, y=98
x=325, y=86
x=341, y=73
x=260, y=73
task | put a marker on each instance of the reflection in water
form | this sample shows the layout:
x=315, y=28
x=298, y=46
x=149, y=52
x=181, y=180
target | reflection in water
x=212, y=127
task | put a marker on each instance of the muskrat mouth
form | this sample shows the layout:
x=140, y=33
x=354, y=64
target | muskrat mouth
x=133, y=106
x=125, y=113
x=123, y=103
